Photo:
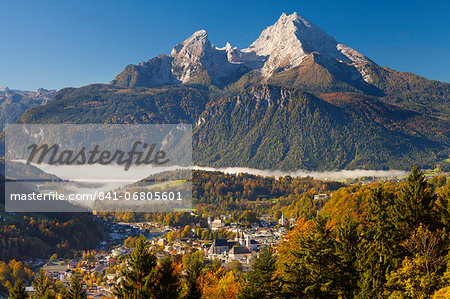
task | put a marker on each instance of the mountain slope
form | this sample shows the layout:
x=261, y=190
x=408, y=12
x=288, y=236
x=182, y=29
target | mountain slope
x=412, y=92
x=101, y=103
x=14, y=102
x=273, y=127
x=391, y=117
x=266, y=126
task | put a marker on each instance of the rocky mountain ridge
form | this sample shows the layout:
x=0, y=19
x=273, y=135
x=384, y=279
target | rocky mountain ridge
x=14, y=102
x=282, y=46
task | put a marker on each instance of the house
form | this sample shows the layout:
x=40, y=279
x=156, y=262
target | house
x=321, y=196
x=29, y=290
x=217, y=224
x=184, y=241
x=220, y=246
x=241, y=254
x=252, y=244
x=116, y=252
x=102, y=294
x=162, y=242
x=238, y=252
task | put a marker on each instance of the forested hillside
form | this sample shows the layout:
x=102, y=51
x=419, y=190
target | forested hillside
x=267, y=126
x=271, y=127
x=38, y=235
x=384, y=240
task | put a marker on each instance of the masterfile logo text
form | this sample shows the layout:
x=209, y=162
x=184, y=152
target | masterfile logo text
x=133, y=168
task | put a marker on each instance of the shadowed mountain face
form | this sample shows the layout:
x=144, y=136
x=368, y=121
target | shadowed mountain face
x=295, y=98
x=275, y=127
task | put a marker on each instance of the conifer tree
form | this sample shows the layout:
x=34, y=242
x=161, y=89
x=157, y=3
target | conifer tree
x=314, y=272
x=421, y=273
x=76, y=290
x=444, y=210
x=167, y=284
x=376, y=257
x=194, y=266
x=137, y=279
x=62, y=290
x=414, y=205
x=43, y=288
x=18, y=292
x=260, y=282
x=347, y=250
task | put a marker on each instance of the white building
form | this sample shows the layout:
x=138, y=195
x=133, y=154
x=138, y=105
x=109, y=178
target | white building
x=217, y=224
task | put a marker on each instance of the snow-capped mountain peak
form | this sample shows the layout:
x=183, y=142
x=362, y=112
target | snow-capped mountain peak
x=193, y=47
x=195, y=55
x=281, y=46
x=292, y=38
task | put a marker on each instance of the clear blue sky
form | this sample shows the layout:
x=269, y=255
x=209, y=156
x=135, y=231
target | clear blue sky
x=55, y=44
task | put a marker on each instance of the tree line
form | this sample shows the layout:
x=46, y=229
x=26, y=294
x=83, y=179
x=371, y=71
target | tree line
x=396, y=247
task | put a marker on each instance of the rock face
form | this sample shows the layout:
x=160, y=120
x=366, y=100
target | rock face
x=288, y=42
x=14, y=102
x=280, y=47
x=193, y=61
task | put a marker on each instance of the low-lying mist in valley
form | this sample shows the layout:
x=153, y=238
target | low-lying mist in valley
x=115, y=173
x=320, y=175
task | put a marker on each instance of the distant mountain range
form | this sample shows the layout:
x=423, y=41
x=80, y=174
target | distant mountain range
x=295, y=98
x=13, y=103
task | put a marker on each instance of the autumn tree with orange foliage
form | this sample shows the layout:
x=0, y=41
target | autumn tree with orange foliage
x=220, y=284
